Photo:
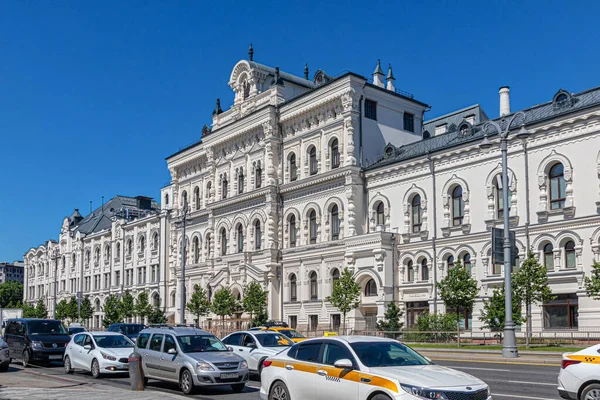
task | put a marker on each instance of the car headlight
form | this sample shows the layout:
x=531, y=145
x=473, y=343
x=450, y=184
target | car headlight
x=243, y=365
x=204, y=367
x=36, y=345
x=108, y=357
x=424, y=393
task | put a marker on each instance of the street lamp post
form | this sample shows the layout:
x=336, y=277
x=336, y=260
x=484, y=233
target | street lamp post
x=183, y=249
x=56, y=255
x=509, y=345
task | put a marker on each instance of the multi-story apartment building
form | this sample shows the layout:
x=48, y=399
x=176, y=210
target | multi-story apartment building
x=11, y=271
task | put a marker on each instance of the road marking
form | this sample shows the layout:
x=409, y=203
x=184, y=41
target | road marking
x=496, y=362
x=518, y=396
x=534, y=383
x=483, y=369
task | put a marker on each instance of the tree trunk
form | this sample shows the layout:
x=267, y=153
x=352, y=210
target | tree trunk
x=458, y=326
x=528, y=325
x=251, y=321
x=344, y=323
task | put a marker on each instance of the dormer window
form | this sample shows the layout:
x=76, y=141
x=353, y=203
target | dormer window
x=464, y=129
x=246, y=89
x=562, y=99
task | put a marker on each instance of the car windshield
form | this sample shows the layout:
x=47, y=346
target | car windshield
x=44, y=327
x=112, y=341
x=131, y=329
x=292, y=334
x=273, y=340
x=77, y=329
x=200, y=343
x=387, y=354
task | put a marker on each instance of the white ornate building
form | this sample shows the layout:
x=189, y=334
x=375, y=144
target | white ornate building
x=302, y=178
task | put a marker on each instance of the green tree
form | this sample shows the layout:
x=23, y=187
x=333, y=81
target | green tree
x=432, y=328
x=458, y=291
x=224, y=303
x=40, y=310
x=261, y=318
x=72, y=309
x=531, y=285
x=493, y=312
x=199, y=305
x=112, y=311
x=28, y=310
x=157, y=316
x=592, y=283
x=62, y=308
x=127, y=307
x=143, y=308
x=345, y=295
x=86, y=308
x=255, y=299
x=391, y=321
x=11, y=294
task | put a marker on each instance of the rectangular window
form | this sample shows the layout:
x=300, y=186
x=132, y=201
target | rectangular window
x=335, y=322
x=371, y=109
x=117, y=278
x=562, y=312
x=313, y=322
x=293, y=321
x=309, y=352
x=107, y=280
x=409, y=122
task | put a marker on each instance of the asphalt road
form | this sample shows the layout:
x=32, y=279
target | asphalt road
x=507, y=381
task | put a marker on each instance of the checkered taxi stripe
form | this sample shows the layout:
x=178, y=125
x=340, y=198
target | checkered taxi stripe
x=332, y=378
x=588, y=359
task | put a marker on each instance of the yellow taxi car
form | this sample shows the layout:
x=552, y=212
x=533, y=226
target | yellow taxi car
x=361, y=368
x=290, y=333
x=578, y=376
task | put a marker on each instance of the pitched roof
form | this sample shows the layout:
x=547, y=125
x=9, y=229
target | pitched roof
x=533, y=115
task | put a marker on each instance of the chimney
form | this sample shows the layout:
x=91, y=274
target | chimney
x=390, y=80
x=378, y=75
x=504, y=101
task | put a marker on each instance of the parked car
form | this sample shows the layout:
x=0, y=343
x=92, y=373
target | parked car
x=99, y=353
x=34, y=339
x=130, y=330
x=578, y=376
x=74, y=329
x=4, y=356
x=361, y=368
x=256, y=346
x=191, y=357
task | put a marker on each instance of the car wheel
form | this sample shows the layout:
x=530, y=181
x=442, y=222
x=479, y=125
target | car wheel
x=4, y=367
x=279, y=392
x=238, y=387
x=67, y=365
x=186, y=382
x=25, y=359
x=95, y=369
x=380, y=397
x=591, y=392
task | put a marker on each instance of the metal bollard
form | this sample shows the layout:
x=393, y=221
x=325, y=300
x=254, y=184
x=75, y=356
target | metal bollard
x=136, y=375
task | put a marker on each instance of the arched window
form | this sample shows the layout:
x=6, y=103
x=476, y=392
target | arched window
x=257, y=235
x=314, y=290
x=416, y=213
x=167, y=199
x=312, y=154
x=411, y=271
x=335, y=154
x=570, y=256
x=557, y=187
x=293, y=288
x=209, y=293
x=223, y=241
x=88, y=256
x=118, y=251
x=561, y=97
x=380, y=214
x=293, y=168
x=208, y=189
x=258, y=177
x=458, y=206
x=335, y=223
x=241, y=181
x=142, y=244
x=97, y=254
x=549, y=256
x=155, y=241
x=74, y=258
x=312, y=216
x=467, y=262
x=208, y=245
x=197, y=197
x=371, y=288
x=172, y=299
x=450, y=262
x=196, y=245
x=184, y=199
x=424, y=270
x=335, y=276
x=155, y=300
x=240, y=238
x=107, y=252
x=292, y=230
x=225, y=184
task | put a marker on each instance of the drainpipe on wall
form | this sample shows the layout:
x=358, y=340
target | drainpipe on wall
x=434, y=236
x=527, y=205
x=280, y=199
x=360, y=130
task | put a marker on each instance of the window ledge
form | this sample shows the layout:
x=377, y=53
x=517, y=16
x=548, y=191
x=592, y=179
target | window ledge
x=513, y=222
x=407, y=237
x=465, y=228
x=566, y=212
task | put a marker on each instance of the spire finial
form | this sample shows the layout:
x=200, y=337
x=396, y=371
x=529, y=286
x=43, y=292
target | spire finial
x=277, y=80
x=251, y=52
x=390, y=75
x=218, y=109
x=306, y=71
x=378, y=69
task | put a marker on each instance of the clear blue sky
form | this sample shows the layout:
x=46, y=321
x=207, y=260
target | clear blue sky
x=95, y=94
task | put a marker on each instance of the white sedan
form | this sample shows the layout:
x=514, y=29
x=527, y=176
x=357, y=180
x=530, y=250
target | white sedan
x=361, y=368
x=578, y=376
x=256, y=346
x=98, y=352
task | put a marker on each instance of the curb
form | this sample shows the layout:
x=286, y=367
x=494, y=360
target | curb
x=491, y=358
x=548, y=354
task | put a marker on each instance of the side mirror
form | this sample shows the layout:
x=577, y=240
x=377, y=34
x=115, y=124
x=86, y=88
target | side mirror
x=70, y=332
x=172, y=351
x=344, y=363
x=87, y=347
x=252, y=345
x=429, y=360
x=229, y=348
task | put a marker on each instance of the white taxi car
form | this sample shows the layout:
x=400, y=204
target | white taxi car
x=361, y=368
x=579, y=373
x=256, y=346
x=98, y=352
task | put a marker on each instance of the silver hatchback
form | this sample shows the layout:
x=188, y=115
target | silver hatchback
x=191, y=357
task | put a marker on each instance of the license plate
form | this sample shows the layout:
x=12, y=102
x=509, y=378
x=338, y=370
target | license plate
x=229, y=376
x=57, y=357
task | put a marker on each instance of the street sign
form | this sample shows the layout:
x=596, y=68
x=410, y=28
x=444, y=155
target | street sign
x=498, y=247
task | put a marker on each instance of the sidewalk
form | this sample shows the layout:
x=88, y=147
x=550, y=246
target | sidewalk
x=525, y=357
x=31, y=385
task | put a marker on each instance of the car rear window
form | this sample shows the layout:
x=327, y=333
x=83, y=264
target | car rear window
x=308, y=352
x=142, y=340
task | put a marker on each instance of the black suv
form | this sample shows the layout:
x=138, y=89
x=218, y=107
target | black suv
x=34, y=339
x=132, y=331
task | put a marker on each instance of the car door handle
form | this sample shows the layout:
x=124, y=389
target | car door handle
x=241, y=349
x=289, y=367
x=162, y=358
x=365, y=380
x=321, y=372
